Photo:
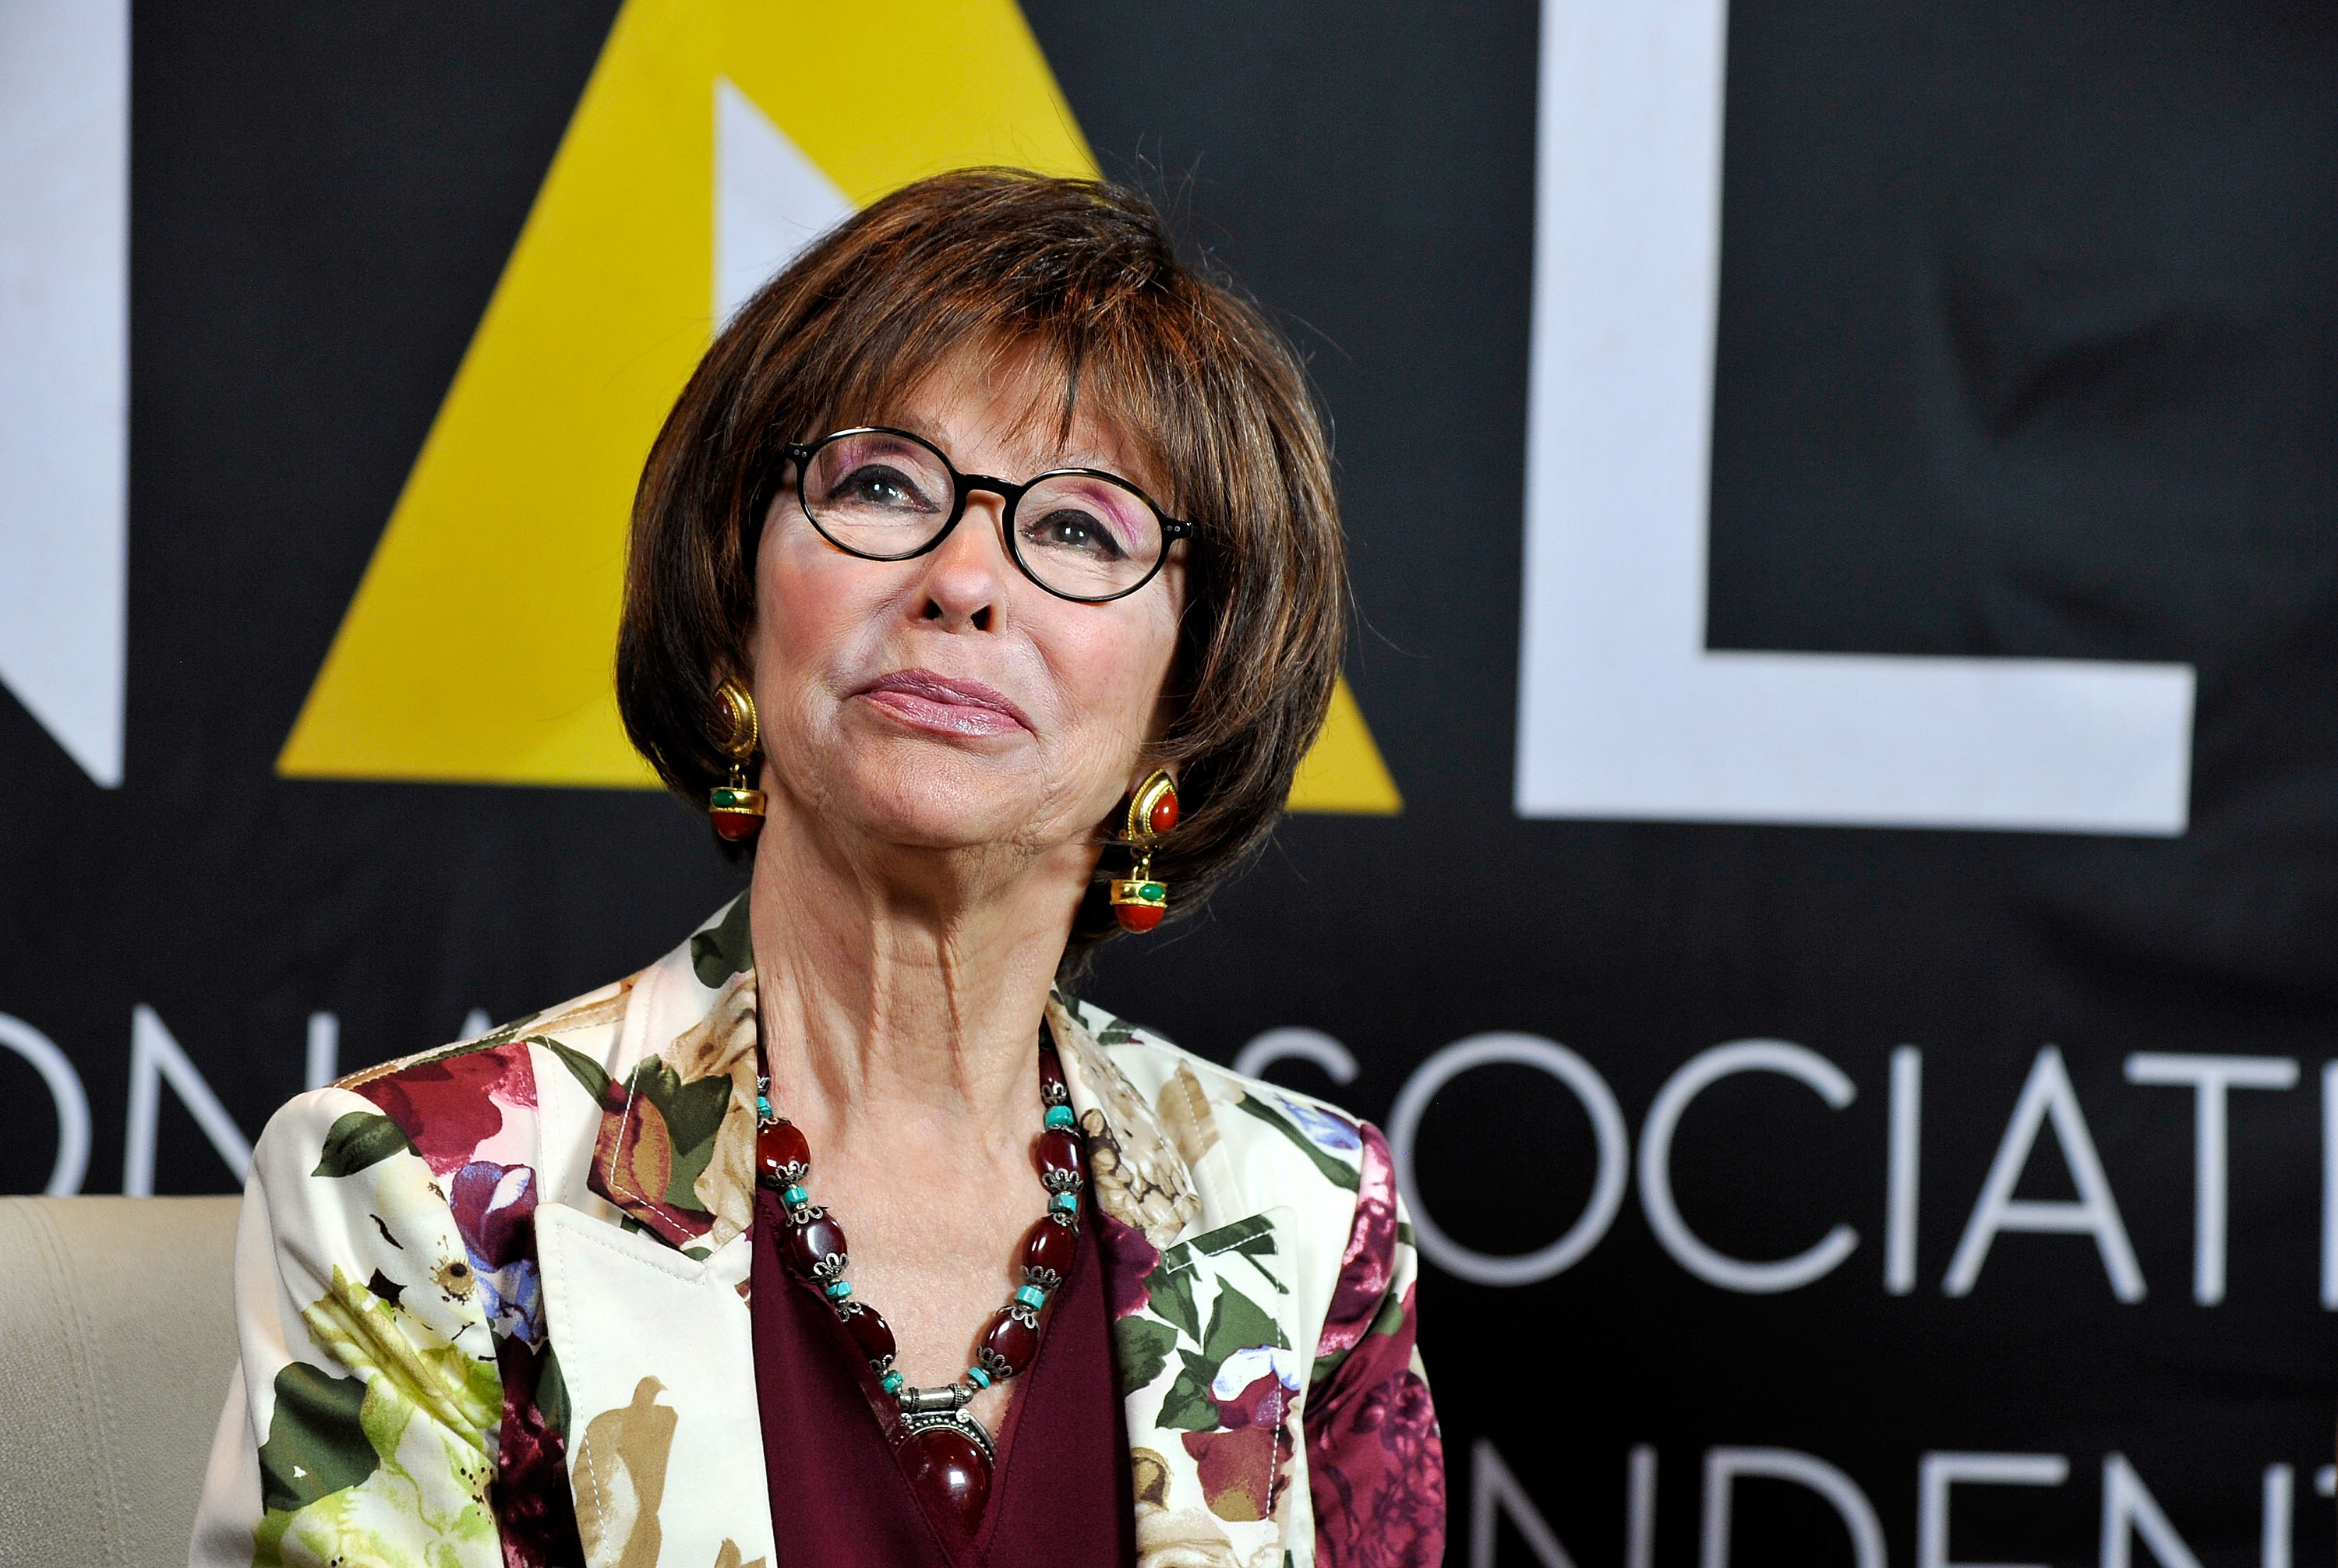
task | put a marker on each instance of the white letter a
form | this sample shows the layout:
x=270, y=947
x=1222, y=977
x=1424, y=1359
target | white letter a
x=2094, y=1212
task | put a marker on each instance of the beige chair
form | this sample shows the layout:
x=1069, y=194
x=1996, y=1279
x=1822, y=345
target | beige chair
x=117, y=1336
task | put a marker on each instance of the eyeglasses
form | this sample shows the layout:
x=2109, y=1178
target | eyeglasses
x=887, y=496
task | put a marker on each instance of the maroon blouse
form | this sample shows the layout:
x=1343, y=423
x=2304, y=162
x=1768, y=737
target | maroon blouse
x=1060, y=1492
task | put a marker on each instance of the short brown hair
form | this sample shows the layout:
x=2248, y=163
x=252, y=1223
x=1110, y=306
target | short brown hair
x=1082, y=277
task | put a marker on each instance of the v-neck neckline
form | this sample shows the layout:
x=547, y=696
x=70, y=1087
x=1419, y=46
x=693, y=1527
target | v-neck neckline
x=1050, y=1474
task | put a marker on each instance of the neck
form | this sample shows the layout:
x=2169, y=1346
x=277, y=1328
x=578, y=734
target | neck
x=901, y=991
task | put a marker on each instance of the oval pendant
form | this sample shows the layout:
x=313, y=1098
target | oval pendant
x=949, y=1461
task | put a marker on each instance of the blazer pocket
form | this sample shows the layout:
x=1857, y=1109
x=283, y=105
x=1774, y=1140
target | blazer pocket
x=1212, y=1369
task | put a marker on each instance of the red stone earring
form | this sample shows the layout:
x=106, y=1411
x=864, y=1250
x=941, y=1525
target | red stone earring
x=735, y=809
x=1138, y=901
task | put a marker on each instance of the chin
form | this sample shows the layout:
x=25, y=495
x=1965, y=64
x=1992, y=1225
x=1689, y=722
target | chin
x=941, y=804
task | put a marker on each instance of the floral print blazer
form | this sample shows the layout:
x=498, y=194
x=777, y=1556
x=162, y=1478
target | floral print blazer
x=492, y=1310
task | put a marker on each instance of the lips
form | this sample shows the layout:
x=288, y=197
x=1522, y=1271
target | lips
x=944, y=703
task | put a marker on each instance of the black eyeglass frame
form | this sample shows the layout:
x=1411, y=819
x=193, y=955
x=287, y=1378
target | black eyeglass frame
x=964, y=486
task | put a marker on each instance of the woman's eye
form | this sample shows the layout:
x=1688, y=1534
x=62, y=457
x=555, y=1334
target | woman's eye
x=880, y=487
x=1066, y=529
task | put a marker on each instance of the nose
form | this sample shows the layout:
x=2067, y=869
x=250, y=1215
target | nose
x=967, y=577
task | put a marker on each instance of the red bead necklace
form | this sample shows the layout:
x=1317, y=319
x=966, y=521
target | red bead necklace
x=950, y=1452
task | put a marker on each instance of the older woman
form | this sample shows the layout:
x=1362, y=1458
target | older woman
x=985, y=587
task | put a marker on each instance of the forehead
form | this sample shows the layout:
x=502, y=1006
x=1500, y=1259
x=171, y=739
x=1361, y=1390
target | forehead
x=1013, y=413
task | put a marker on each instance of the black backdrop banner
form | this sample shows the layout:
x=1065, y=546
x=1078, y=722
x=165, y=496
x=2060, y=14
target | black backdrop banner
x=1947, y=1188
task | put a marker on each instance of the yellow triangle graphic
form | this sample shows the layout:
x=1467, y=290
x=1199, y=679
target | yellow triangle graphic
x=479, y=646
x=1344, y=772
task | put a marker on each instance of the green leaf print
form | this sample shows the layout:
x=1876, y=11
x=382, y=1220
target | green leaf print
x=1253, y=1239
x=723, y=949
x=367, y=1334
x=1188, y=1406
x=581, y=1068
x=1334, y=1172
x=1141, y=1345
x=403, y=1477
x=1170, y=1287
x=361, y=1139
x=315, y=1445
x=552, y=1391
x=1237, y=1323
x=693, y=1115
x=425, y=1502
x=1242, y=1236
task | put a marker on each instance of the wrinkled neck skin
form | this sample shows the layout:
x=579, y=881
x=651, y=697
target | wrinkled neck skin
x=902, y=988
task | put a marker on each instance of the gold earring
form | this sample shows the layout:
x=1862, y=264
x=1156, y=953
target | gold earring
x=735, y=809
x=1138, y=901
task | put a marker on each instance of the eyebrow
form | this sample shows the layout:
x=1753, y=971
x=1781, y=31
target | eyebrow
x=1069, y=457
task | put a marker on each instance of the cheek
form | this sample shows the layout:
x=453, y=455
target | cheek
x=1112, y=667
x=809, y=605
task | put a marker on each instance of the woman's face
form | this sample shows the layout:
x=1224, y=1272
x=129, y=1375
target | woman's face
x=948, y=701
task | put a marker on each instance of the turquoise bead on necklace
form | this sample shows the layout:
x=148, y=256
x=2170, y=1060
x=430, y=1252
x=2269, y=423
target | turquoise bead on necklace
x=954, y=1453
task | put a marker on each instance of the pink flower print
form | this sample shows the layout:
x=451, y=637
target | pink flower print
x=1245, y=1465
x=534, y=1513
x=1372, y=1247
x=1128, y=1261
x=450, y=1105
x=494, y=1211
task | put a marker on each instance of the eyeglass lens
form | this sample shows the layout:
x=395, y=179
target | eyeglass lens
x=886, y=497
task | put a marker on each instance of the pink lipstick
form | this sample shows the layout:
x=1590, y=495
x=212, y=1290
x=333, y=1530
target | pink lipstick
x=945, y=704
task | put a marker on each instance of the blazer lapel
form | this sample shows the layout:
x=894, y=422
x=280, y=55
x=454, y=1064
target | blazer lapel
x=647, y=1308
x=665, y=1438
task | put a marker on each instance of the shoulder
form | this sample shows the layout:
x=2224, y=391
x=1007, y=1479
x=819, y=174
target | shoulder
x=469, y=1113
x=451, y=1098
x=1279, y=1147
x=413, y=1181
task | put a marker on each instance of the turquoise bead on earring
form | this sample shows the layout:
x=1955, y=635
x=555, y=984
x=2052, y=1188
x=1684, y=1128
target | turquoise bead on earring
x=1059, y=1116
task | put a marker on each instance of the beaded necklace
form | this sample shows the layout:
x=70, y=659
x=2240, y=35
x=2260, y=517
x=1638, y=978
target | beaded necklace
x=951, y=1453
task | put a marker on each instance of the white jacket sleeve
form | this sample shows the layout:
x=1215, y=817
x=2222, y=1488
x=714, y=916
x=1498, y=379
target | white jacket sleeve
x=362, y=1421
